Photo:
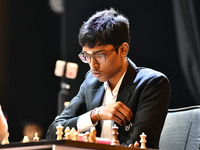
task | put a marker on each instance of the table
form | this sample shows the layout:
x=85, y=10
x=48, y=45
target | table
x=63, y=145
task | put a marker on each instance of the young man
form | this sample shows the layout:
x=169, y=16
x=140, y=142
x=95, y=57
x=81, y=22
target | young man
x=115, y=91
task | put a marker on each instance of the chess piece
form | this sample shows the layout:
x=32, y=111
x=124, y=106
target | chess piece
x=73, y=130
x=131, y=145
x=67, y=129
x=6, y=141
x=136, y=144
x=68, y=136
x=76, y=136
x=115, y=135
x=59, y=132
x=25, y=139
x=67, y=133
x=86, y=136
x=93, y=133
x=36, y=138
x=143, y=140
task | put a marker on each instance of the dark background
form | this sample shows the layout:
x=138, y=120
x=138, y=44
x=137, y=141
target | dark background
x=31, y=36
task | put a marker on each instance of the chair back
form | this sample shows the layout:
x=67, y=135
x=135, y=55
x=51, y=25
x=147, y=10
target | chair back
x=181, y=130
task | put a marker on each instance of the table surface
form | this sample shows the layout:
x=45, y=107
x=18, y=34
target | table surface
x=63, y=144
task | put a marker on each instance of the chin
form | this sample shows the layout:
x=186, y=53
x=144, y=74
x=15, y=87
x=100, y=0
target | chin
x=102, y=80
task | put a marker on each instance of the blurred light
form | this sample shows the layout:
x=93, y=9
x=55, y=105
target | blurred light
x=57, y=6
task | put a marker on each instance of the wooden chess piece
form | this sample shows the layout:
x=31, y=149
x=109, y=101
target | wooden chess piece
x=115, y=135
x=131, y=145
x=67, y=133
x=67, y=129
x=76, y=136
x=143, y=140
x=6, y=141
x=59, y=132
x=73, y=130
x=136, y=144
x=36, y=138
x=86, y=136
x=68, y=136
x=25, y=139
x=93, y=133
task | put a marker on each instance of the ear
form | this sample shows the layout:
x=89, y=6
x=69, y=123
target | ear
x=123, y=49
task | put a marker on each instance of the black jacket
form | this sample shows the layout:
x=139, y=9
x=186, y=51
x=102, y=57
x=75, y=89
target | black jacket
x=145, y=91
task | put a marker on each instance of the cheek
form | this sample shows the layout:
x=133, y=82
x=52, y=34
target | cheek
x=115, y=62
x=111, y=67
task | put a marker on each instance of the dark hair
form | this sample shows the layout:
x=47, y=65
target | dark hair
x=105, y=27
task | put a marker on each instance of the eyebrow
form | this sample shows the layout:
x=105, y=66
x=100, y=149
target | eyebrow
x=98, y=51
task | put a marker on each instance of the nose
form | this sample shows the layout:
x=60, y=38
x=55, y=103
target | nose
x=93, y=63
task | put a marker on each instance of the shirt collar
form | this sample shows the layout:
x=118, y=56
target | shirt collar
x=116, y=89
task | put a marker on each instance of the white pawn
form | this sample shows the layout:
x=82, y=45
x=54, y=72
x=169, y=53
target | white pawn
x=67, y=129
x=25, y=139
x=92, y=136
x=143, y=140
x=36, y=138
x=76, y=136
x=6, y=141
x=86, y=136
x=59, y=132
x=73, y=130
x=67, y=133
x=136, y=144
x=68, y=136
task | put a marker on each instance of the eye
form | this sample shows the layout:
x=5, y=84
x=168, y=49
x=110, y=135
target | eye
x=87, y=57
x=83, y=56
x=98, y=56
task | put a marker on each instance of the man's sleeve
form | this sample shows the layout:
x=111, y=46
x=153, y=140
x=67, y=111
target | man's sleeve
x=84, y=122
x=70, y=115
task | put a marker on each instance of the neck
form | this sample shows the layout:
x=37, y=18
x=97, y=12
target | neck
x=113, y=82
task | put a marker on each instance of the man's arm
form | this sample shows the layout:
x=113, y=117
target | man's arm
x=151, y=111
x=117, y=112
x=70, y=115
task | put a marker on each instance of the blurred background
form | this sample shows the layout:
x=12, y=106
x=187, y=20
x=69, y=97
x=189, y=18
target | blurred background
x=34, y=34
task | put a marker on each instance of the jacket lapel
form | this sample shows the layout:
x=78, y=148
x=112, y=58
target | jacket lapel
x=123, y=96
x=97, y=96
x=128, y=79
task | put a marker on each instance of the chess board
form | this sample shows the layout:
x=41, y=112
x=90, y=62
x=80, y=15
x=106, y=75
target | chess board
x=63, y=145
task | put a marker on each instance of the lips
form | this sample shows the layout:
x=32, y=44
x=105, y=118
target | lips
x=95, y=73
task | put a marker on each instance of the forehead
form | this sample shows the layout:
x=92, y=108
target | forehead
x=97, y=49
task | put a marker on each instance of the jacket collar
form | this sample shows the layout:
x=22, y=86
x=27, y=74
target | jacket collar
x=97, y=96
x=128, y=79
x=123, y=94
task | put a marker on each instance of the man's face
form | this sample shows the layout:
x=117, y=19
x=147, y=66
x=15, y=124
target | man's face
x=111, y=69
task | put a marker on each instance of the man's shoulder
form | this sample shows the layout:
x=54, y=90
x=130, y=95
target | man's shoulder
x=148, y=73
x=145, y=71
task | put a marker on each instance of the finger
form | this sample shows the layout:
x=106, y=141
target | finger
x=121, y=117
x=125, y=111
x=110, y=113
x=118, y=120
x=118, y=112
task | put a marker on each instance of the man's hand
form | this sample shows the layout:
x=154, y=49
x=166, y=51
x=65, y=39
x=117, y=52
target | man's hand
x=117, y=112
